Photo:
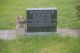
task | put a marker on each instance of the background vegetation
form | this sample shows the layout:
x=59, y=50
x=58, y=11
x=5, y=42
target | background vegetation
x=9, y=9
x=77, y=7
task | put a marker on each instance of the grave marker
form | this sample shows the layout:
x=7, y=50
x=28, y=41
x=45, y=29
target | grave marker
x=41, y=19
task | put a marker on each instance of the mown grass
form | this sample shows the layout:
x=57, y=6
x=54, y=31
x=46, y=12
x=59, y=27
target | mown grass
x=40, y=44
x=9, y=9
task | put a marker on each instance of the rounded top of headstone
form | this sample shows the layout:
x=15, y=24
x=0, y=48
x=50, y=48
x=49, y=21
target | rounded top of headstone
x=41, y=9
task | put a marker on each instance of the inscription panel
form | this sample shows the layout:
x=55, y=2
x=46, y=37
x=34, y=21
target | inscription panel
x=41, y=20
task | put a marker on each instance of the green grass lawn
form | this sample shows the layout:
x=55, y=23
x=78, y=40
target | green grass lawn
x=38, y=44
x=9, y=9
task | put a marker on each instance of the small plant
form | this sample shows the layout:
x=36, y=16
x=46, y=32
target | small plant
x=78, y=10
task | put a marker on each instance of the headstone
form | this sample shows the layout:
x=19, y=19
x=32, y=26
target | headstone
x=41, y=20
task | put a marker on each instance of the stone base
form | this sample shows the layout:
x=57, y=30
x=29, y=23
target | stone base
x=20, y=31
x=39, y=33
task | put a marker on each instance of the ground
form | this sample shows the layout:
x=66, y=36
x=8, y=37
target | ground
x=51, y=43
x=12, y=34
x=11, y=8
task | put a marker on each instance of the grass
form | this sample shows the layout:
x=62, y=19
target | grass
x=9, y=9
x=39, y=44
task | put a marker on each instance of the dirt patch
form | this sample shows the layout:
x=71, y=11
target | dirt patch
x=11, y=34
x=70, y=32
x=7, y=34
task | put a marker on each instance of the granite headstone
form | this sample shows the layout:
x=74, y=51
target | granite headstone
x=41, y=20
